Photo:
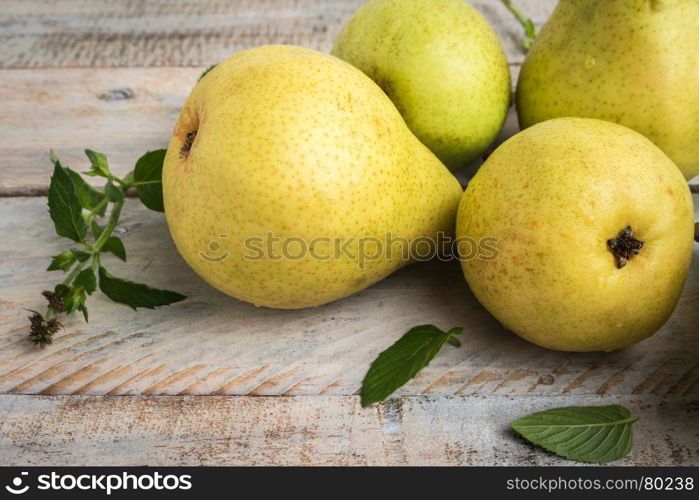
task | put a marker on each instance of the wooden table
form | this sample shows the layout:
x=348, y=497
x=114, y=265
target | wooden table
x=216, y=381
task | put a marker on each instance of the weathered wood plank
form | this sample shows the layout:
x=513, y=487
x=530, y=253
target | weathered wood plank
x=213, y=344
x=322, y=430
x=122, y=112
x=104, y=33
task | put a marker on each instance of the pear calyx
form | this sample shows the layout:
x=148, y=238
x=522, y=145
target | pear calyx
x=624, y=246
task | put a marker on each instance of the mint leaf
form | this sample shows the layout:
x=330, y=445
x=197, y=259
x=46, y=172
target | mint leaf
x=96, y=229
x=64, y=206
x=147, y=179
x=62, y=261
x=116, y=246
x=88, y=197
x=73, y=297
x=80, y=255
x=403, y=360
x=113, y=193
x=99, y=165
x=133, y=294
x=83, y=309
x=86, y=280
x=113, y=244
x=592, y=434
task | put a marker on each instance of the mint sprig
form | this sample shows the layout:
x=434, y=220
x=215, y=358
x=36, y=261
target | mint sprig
x=592, y=434
x=398, y=364
x=75, y=208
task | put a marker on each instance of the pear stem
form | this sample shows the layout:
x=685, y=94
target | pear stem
x=527, y=24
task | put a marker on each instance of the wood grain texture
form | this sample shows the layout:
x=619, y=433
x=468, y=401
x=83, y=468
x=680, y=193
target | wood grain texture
x=213, y=344
x=105, y=33
x=320, y=430
x=156, y=387
x=122, y=112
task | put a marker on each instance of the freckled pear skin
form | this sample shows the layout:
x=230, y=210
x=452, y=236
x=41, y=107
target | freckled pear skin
x=442, y=65
x=633, y=62
x=553, y=195
x=290, y=142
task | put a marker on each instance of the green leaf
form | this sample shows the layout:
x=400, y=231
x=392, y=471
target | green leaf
x=114, y=194
x=62, y=290
x=592, y=434
x=148, y=179
x=116, y=246
x=73, y=297
x=88, y=196
x=83, y=309
x=62, y=261
x=96, y=229
x=99, y=165
x=133, y=294
x=86, y=280
x=64, y=206
x=128, y=178
x=80, y=255
x=402, y=361
x=113, y=243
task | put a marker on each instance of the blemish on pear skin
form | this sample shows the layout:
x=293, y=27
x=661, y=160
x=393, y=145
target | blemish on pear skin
x=187, y=145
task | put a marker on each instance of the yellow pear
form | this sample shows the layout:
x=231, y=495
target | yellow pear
x=291, y=180
x=593, y=226
x=442, y=65
x=633, y=62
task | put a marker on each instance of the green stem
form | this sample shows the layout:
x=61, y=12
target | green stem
x=527, y=24
x=144, y=183
x=121, y=182
x=103, y=202
x=113, y=220
x=76, y=270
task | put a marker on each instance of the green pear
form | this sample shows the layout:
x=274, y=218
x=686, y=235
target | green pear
x=633, y=62
x=291, y=180
x=593, y=226
x=441, y=64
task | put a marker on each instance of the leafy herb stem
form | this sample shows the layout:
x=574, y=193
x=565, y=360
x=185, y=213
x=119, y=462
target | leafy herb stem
x=74, y=273
x=75, y=206
x=113, y=221
x=527, y=24
x=98, y=208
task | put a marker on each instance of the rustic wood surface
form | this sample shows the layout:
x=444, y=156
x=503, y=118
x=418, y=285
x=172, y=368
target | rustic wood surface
x=312, y=430
x=108, y=33
x=217, y=381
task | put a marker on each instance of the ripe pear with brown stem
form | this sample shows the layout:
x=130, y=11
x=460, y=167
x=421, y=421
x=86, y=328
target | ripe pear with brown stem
x=291, y=180
x=633, y=62
x=594, y=227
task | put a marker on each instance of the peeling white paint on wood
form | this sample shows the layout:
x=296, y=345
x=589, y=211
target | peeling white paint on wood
x=314, y=430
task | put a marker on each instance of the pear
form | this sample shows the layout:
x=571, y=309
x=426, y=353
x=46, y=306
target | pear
x=593, y=226
x=441, y=64
x=291, y=180
x=633, y=62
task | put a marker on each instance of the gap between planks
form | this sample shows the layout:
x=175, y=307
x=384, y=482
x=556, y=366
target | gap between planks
x=104, y=33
